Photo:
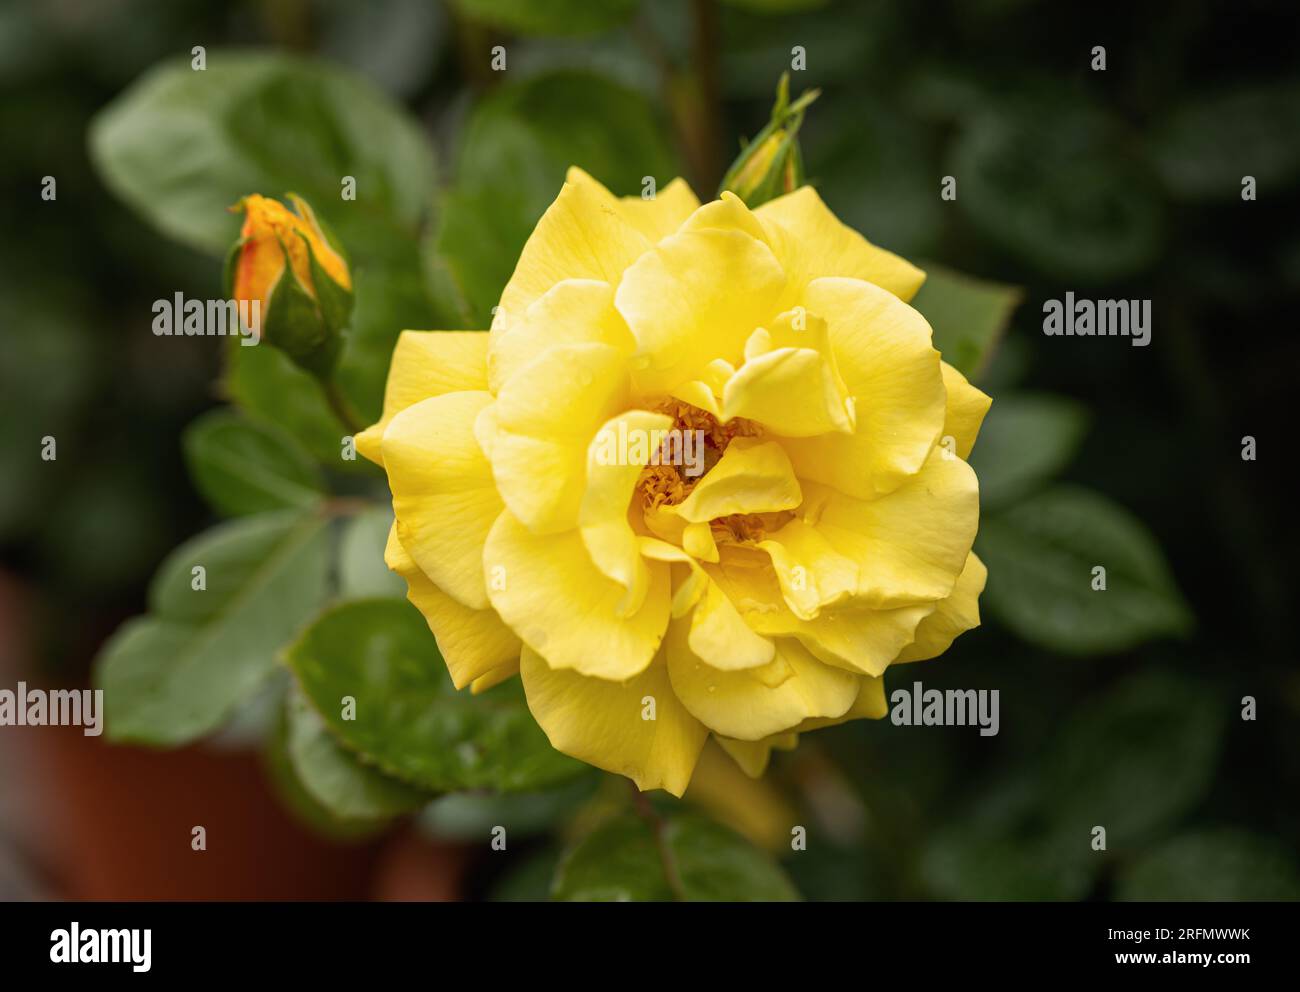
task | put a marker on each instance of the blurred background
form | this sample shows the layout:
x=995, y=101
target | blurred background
x=1124, y=183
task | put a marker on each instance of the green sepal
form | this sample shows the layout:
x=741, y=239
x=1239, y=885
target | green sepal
x=783, y=170
x=293, y=323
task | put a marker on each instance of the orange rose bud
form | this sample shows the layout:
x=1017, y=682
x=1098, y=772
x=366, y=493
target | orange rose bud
x=284, y=261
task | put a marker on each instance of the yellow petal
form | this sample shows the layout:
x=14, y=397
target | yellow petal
x=965, y=410
x=698, y=393
x=955, y=615
x=443, y=494
x=727, y=213
x=549, y=592
x=495, y=677
x=910, y=545
x=792, y=389
x=693, y=298
x=582, y=235
x=754, y=756
x=698, y=541
x=545, y=417
x=752, y=476
x=720, y=638
x=475, y=644
x=812, y=573
x=603, y=723
x=614, y=462
x=573, y=311
x=743, y=705
x=853, y=637
x=663, y=214
x=893, y=373
x=326, y=257
x=427, y=364
x=717, y=634
x=811, y=242
x=756, y=810
x=868, y=704
x=270, y=230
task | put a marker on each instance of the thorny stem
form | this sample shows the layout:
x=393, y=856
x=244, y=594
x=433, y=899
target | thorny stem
x=658, y=828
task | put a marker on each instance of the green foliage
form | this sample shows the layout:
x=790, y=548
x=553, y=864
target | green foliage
x=517, y=146
x=529, y=881
x=630, y=860
x=174, y=675
x=968, y=316
x=409, y=719
x=472, y=815
x=242, y=467
x=548, y=17
x=1002, y=848
x=1056, y=187
x=182, y=146
x=336, y=778
x=1225, y=865
x=362, y=573
x=870, y=162
x=1025, y=440
x=1041, y=554
x=1135, y=759
x=1205, y=147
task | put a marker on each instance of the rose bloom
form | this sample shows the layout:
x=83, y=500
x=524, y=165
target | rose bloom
x=649, y=605
x=271, y=230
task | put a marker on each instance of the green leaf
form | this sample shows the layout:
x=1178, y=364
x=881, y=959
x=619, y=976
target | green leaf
x=176, y=674
x=409, y=720
x=1001, y=849
x=1134, y=760
x=517, y=146
x=361, y=569
x=1025, y=440
x=243, y=467
x=1041, y=554
x=548, y=17
x=181, y=146
x=472, y=815
x=968, y=316
x=1223, y=865
x=624, y=861
x=266, y=383
x=1055, y=184
x=872, y=165
x=334, y=777
x=1204, y=148
x=291, y=792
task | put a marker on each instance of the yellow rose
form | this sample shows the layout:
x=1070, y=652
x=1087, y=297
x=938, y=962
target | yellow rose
x=754, y=592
